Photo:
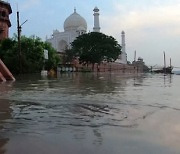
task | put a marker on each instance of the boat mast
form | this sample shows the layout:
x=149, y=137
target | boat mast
x=170, y=62
x=164, y=63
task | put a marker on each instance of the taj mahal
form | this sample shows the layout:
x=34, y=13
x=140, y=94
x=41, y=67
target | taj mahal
x=76, y=25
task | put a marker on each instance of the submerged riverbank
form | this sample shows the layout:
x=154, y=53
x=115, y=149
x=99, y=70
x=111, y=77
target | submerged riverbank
x=90, y=113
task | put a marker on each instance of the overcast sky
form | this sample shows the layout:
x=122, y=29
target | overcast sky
x=151, y=26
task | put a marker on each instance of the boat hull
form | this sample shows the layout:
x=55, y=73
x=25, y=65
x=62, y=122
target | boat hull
x=167, y=70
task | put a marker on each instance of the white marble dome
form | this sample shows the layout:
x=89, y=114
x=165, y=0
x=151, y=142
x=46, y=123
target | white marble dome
x=74, y=21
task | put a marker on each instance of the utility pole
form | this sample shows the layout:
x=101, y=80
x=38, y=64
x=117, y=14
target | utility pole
x=19, y=42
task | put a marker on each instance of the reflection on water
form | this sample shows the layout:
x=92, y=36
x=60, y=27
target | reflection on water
x=85, y=108
x=99, y=138
x=3, y=141
x=5, y=113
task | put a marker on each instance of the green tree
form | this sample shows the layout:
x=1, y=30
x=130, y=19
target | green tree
x=95, y=47
x=54, y=59
x=9, y=54
x=68, y=56
x=32, y=50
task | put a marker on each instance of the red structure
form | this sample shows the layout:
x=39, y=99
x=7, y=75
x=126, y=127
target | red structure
x=5, y=11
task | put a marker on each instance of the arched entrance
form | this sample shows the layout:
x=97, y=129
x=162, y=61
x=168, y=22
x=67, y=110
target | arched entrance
x=62, y=46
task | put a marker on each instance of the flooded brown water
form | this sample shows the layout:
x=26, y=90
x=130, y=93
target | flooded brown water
x=90, y=113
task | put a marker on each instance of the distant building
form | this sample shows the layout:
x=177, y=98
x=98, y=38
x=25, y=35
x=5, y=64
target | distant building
x=5, y=11
x=76, y=25
x=140, y=65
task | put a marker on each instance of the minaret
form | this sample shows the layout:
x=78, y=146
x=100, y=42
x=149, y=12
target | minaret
x=96, y=20
x=123, y=44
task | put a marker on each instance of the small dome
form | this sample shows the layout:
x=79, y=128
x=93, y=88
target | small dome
x=140, y=59
x=96, y=9
x=122, y=32
x=81, y=28
x=74, y=21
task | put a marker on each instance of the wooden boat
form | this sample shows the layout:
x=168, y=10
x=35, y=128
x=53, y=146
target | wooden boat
x=165, y=70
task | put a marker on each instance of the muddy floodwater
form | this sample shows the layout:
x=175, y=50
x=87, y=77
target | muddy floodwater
x=86, y=113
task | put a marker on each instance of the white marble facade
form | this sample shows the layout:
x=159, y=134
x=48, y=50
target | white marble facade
x=76, y=25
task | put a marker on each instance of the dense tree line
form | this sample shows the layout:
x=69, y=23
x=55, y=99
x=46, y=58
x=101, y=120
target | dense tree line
x=94, y=48
x=89, y=48
x=32, y=57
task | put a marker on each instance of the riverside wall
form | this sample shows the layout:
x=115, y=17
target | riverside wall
x=103, y=67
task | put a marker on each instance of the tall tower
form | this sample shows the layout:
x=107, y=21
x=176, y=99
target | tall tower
x=123, y=44
x=5, y=10
x=96, y=20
